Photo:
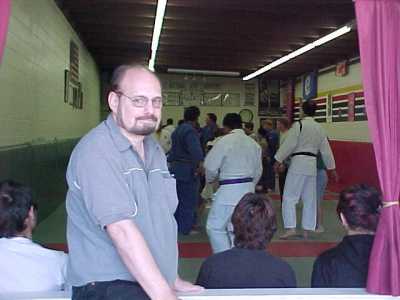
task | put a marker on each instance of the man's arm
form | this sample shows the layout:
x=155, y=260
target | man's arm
x=213, y=162
x=258, y=167
x=134, y=252
x=329, y=159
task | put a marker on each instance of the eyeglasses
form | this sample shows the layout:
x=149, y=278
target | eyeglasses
x=141, y=101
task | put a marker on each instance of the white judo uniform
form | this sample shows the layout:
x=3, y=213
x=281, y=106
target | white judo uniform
x=235, y=157
x=307, y=138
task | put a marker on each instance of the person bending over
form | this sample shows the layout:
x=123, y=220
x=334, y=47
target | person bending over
x=248, y=264
x=25, y=266
x=346, y=265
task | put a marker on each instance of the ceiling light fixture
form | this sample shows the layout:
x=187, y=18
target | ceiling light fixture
x=204, y=72
x=161, y=5
x=304, y=49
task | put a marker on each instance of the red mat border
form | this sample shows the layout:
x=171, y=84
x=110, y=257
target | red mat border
x=203, y=250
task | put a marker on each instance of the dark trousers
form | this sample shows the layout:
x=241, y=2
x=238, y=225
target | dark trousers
x=110, y=290
x=270, y=175
x=188, y=196
x=282, y=179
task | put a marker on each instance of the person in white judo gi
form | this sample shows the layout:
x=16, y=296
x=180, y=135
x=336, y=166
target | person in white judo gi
x=304, y=140
x=235, y=161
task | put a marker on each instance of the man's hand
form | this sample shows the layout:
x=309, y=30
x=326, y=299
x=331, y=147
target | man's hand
x=333, y=175
x=186, y=287
x=277, y=167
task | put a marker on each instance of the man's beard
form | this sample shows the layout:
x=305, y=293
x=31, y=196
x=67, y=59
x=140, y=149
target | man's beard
x=145, y=129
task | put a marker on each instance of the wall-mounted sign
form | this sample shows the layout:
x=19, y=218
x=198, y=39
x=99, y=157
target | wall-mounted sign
x=342, y=69
x=310, y=86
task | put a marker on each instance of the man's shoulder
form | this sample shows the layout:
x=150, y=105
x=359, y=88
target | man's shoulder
x=33, y=250
x=95, y=140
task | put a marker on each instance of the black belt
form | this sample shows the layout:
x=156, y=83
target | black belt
x=305, y=153
x=235, y=181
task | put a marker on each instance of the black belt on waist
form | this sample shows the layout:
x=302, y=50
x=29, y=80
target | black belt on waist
x=304, y=153
x=235, y=181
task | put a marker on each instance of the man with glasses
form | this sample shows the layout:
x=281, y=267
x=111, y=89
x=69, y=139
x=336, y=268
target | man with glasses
x=121, y=231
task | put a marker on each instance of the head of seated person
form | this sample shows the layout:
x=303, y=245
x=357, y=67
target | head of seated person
x=359, y=209
x=25, y=265
x=346, y=265
x=17, y=210
x=248, y=264
x=254, y=222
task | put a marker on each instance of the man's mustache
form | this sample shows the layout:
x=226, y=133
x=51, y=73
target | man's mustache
x=151, y=117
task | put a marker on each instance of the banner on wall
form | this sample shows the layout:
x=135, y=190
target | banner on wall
x=290, y=99
x=310, y=86
x=351, y=106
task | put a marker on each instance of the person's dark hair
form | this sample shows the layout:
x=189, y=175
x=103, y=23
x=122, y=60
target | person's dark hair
x=254, y=222
x=170, y=121
x=191, y=113
x=309, y=108
x=15, y=203
x=212, y=117
x=232, y=121
x=284, y=122
x=360, y=205
x=180, y=122
x=249, y=125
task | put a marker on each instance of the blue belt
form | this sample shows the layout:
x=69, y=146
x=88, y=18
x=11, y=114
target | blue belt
x=235, y=181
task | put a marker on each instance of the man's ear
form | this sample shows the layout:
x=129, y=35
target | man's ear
x=113, y=101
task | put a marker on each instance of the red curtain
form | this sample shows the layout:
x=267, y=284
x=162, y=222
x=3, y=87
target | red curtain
x=4, y=16
x=378, y=23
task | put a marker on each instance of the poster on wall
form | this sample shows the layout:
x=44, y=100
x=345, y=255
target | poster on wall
x=310, y=86
x=269, y=97
x=249, y=94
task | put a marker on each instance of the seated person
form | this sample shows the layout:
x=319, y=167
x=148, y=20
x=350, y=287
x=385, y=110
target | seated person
x=248, y=264
x=346, y=265
x=25, y=266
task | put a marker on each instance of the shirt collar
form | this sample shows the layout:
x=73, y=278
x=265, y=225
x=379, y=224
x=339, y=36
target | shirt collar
x=121, y=142
x=238, y=130
x=18, y=239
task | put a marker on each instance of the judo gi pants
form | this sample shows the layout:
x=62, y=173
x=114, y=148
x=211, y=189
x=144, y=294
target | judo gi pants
x=188, y=196
x=304, y=187
x=219, y=227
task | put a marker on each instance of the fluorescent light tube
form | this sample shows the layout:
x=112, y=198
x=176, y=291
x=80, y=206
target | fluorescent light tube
x=161, y=5
x=300, y=51
x=203, y=72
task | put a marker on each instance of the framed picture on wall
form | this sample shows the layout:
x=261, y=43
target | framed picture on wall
x=230, y=99
x=171, y=98
x=66, y=85
x=211, y=99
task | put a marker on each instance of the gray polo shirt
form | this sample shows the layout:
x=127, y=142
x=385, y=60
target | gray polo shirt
x=109, y=182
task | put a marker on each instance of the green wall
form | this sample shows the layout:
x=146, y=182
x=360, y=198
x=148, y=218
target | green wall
x=32, y=77
x=37, y=129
